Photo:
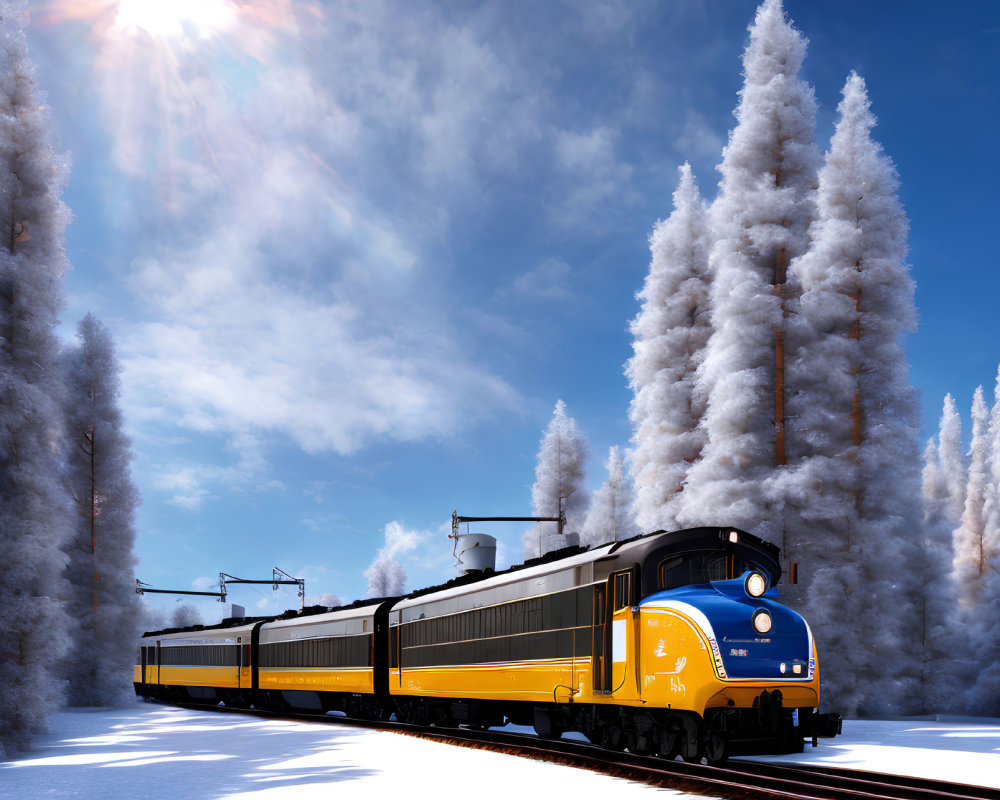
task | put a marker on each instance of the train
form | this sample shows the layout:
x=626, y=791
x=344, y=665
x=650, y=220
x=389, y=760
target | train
x=670, y=643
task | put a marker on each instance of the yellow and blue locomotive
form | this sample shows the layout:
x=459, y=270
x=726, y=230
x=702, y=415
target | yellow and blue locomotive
x=672, y=643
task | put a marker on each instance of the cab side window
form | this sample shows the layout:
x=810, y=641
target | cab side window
x=622, y=593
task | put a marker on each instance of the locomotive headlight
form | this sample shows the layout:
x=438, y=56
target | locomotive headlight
x=755, y=584
x=761, y=621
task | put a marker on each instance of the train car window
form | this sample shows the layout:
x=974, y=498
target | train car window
x=622, y=590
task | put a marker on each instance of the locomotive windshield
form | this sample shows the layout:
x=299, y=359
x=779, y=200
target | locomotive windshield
x=705, y=566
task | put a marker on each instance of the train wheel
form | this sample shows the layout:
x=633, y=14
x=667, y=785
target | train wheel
x=545, y=724
x=669, y=742
x=714, y=747
x=612, y=737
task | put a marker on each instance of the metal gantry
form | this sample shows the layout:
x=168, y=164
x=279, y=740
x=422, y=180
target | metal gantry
x=275, y=582
x=278, y=577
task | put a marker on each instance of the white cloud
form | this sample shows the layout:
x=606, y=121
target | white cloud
x=698, y=138
x=285, y=302
x=593, y=174
x=190, y=484
x=292, y=176
x=185, y=487
x=399, y=540
x=550, y=280
x=281, y=293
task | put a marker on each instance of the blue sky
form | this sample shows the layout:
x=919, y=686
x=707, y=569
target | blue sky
x=353, y=252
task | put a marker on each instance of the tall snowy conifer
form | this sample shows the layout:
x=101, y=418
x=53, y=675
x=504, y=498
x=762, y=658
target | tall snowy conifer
x=610, y=516
x=558, y=484
x=856, y=304
x=670, y=334
x=935, y=491
x=969, y=533
x=984, y=617
x=944, y=675
x=847, y=495
x=888, y=408
x=950, y=458
x=34, y=511
x=101, y=600
x=386, y=576
x=759, y=222
x=991, y=503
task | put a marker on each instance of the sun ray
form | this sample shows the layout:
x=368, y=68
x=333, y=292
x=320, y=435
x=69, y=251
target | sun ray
x=175, y=18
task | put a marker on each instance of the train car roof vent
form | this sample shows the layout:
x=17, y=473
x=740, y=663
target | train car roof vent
x=476, y=552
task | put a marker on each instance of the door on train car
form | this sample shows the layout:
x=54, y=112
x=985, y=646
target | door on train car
x=242, y=660
x=611, y=596
x=601, y=640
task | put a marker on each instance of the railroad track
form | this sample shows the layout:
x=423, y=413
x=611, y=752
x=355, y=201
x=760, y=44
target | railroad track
x=735, y=779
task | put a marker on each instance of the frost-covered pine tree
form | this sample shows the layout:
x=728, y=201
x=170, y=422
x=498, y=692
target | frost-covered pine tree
x=984, y=569
x=950, y=458
x=34, y=511
x=610, y=516
x=760, y=220
x=935, y=490
x=848, y=493
x=670, y=334
x=101, y=600
x=969, y=531
x=863, y=221
x=990, y=545
x=558, y=485
x=386, y=576
x=983, y=697
x=888, y=454
x=944, y=675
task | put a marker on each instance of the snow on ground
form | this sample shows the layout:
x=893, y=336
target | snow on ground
x=959, y=749
x=164, y=753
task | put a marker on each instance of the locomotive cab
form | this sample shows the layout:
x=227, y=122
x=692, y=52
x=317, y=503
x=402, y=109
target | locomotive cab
x=703, y=556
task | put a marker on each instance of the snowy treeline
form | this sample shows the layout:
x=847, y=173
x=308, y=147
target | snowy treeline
x=771, y=393
x=962, y=525
x=67, y=608
x=771, y=388
x=606, y=516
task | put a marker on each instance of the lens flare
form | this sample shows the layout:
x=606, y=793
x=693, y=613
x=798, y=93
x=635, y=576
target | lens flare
x=174, y=18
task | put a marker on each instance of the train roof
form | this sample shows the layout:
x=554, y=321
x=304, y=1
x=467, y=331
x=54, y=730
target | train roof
x=628, y=551
x=238, y=622
x=634, y=548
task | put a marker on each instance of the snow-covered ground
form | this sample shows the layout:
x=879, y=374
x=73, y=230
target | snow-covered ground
x=163, y=753
x=959, y=749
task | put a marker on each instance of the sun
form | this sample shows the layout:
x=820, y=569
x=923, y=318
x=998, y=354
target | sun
x=170, y=18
